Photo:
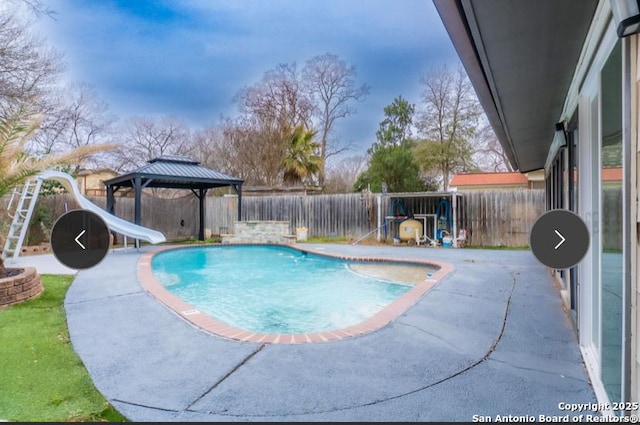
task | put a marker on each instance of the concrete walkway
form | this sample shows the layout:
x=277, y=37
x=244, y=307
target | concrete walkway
x=490, y=339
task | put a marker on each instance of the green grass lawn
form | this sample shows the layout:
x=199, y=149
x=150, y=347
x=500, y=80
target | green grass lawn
x=327, y=239
x=499, y=247
x=194, y=241
x=42, y=378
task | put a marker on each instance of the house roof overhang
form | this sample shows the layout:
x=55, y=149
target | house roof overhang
x=520, y=57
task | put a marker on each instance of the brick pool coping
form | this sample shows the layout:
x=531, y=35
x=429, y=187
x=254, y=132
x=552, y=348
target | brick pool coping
x=207, y=323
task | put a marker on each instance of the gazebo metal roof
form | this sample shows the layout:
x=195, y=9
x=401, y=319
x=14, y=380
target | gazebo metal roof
x=173, y=172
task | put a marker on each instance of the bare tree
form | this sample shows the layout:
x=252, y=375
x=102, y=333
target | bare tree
x=50, y=139
x=342, y=175
x=86, y=115
x=263, y=150
x=271, y=110
x=281, y=102
x=448, y=122
x=206, y=145
x=35, y=6
x=75, y=117
x=244, y=153
x=69, y=117
x=145, y=138
x=229, y=147
x=278, y=100
x=489, y=154
x=28, y=68
x=332, y=86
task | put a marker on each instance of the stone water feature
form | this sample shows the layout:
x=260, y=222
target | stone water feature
x=276, y=232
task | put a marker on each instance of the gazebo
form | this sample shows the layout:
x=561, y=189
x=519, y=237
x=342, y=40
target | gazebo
x=172, y=172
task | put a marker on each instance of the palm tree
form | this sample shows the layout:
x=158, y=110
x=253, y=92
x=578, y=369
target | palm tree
x=301, y=160
x=17, y=165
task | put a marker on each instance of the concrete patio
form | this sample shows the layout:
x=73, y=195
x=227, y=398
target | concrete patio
x=490, y=339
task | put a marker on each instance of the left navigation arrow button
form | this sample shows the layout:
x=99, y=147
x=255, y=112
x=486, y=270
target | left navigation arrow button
x=80, y=239
x=78, y=242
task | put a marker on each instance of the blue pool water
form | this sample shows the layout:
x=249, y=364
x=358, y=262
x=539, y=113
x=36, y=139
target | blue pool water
x=273, y=289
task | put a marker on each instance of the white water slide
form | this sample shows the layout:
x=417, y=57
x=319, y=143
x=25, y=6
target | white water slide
x=115, y=224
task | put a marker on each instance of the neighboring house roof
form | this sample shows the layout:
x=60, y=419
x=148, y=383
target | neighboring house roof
x=520, y=57
x=488, y=179
x=511, y=179
x=612, y=174
x=90, y=171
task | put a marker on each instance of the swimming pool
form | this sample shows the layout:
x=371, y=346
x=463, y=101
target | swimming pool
x=251, y=291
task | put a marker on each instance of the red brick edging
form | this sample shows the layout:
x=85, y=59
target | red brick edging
x=21, y=287
x=216, y=327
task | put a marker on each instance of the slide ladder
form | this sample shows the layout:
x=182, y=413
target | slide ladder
x=21, y=217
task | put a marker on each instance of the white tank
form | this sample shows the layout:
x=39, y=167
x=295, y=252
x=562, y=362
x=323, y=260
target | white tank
x=408, y=229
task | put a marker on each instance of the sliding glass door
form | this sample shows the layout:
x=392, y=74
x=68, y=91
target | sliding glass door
x=601, y=205
x=611, y=276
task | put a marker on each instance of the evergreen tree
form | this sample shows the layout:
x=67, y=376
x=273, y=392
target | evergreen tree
x=391, y=157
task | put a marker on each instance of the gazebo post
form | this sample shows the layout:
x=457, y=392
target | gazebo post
x=137, y=187
x=111, y=205
x=238, y=188
x=111, y=200
x=202, y=197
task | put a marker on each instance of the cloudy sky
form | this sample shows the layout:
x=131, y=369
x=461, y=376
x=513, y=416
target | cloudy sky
x=189, y=57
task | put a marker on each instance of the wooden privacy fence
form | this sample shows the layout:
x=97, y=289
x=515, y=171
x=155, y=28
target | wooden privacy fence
x=492, y=218
x=346, y=215
x=177, y=218
x=501, y=217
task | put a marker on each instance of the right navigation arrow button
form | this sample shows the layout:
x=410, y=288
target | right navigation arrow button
x=561, y=242
x=555, y=249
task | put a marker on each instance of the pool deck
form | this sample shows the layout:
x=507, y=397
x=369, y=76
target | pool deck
x=490, y=339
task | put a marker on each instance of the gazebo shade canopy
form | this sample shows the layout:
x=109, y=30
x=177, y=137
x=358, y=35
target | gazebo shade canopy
x=174, y=172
